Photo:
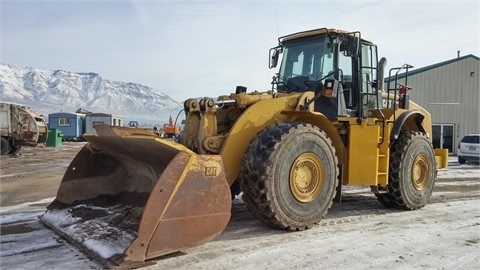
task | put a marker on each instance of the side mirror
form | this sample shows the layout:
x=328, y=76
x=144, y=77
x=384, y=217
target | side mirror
x=353, y=45
x=273, y=55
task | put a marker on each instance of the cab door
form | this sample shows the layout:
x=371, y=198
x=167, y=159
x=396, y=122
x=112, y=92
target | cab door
x=368, y=78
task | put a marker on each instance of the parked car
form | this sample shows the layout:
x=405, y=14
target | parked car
x=469, y=149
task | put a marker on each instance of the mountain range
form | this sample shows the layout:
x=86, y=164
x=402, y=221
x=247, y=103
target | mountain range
x=52, y=91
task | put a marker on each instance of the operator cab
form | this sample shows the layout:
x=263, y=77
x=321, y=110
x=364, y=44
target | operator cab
x=340, y=67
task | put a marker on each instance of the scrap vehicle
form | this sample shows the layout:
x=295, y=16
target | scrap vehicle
x=20, y=126
x=329, y=120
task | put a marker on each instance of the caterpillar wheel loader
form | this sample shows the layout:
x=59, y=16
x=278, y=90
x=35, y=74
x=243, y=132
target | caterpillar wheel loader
x=329, y=120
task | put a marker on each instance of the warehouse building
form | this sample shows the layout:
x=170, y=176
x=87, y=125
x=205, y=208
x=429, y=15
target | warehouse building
x=450, y=92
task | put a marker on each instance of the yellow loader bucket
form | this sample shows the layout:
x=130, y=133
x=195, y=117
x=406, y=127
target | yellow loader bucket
x=129, y=196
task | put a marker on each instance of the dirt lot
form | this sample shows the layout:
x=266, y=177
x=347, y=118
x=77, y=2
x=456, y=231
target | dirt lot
x=35, y=173
x=358, y=233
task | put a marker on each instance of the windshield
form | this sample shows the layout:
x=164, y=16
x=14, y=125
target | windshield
x=304, y=60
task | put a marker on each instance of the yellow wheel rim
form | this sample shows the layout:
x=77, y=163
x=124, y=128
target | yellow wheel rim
x=306, y=177
x=420, y=172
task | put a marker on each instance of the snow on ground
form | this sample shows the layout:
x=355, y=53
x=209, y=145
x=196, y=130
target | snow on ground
x=357, y=234
x=95, y=233
x=440, y=236
x=437, y=237
x=31, y=245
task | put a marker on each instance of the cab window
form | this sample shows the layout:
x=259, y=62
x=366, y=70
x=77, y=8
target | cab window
x=369, y=61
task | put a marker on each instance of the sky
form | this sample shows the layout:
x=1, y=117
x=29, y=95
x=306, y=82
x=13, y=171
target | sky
x=206, y=48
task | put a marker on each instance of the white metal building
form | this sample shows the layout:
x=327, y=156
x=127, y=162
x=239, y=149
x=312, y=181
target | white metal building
x=92, y=119
x=450, y=92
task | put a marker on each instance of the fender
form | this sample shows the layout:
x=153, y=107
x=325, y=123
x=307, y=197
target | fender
x=263, y=114
x=412, y=120
x=253, y=120
x=321, y=121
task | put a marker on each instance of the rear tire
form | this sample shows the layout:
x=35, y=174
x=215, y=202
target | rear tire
x=289, y=175
x=412, y=172
x=5, y=146
x=461, y=160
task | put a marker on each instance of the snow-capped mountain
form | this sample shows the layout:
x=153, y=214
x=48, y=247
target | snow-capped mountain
x=51, y=91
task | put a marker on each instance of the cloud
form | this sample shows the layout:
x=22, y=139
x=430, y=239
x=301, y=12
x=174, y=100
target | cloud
x=210, y=46
x=141, y=12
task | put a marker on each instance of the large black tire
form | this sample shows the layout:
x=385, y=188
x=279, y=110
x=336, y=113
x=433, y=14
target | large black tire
x=289, y=175
x=412, y=172
x=461, y=160
x=5, y=146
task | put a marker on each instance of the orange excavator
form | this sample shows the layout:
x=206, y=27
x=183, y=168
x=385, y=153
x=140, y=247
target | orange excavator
x=170, y=129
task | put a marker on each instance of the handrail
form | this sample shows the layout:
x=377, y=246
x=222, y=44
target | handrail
x=395, y=88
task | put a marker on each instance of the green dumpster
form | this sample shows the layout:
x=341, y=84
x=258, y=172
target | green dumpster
x=54, y=138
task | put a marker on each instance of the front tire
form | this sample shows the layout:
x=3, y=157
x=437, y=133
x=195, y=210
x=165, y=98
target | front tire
x=289, y=175
x=412, y=172
x=5, y=146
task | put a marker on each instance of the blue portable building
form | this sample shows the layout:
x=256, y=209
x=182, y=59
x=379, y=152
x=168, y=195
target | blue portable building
x=72, y=125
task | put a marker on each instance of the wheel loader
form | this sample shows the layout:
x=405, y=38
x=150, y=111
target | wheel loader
x=330, y=119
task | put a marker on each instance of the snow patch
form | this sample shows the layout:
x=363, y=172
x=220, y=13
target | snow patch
x=98, y=229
